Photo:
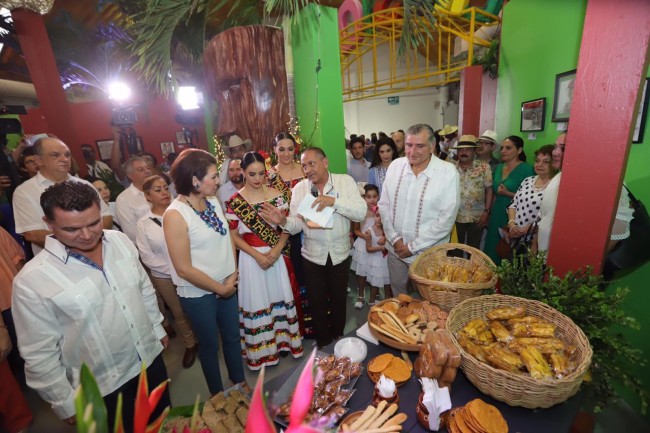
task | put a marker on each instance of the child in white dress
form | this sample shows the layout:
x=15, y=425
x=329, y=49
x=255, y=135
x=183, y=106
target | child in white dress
x=368, y=259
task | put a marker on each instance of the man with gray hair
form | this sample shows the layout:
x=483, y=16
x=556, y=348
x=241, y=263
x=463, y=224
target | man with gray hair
x=419, y=203
x=131, y=204
x=54, y=167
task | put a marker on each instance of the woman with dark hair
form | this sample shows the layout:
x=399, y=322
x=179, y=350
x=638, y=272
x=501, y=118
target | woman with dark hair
x=523, y=211
x=284, y=176
x=150, y=241
x=268, y=320
x=202, y=254
x=385, y=153
x=508, y=176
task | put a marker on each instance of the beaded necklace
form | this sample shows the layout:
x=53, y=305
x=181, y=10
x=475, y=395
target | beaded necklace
x=209, y=217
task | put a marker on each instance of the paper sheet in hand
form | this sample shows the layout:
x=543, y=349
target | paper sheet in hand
x=322, y=219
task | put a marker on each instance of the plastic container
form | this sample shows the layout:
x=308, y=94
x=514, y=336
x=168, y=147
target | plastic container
x=352, y=347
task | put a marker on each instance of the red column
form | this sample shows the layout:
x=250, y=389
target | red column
x=611, y=68
x=39, y=58
x=469, y=105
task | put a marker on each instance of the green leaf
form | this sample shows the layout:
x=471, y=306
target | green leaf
x=88, y=394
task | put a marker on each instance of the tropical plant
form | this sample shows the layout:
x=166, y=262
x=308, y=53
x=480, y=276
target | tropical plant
x=488, y=58
x=91, y=410
x=598, y=312
x=168, y=30
x=169, y=35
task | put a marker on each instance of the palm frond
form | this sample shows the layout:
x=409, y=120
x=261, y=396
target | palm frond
x=419, y=20
x=154, y=29
x=289, y=8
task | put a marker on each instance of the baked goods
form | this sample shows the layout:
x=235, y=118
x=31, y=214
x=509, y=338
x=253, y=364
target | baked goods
x=449, y=273
x=393, y=367
x=404, y=320
x=476, y=417
x=518, y=343
x=383, y=418
x=332, y=392
x=439, y=358
x=221, y=413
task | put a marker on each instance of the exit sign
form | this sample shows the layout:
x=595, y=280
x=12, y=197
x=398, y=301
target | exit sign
x=393, y=100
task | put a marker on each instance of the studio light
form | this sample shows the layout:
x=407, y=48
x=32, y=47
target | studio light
x=188, y=97
x=119, y=91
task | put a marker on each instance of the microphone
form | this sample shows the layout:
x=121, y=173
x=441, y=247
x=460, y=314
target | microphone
x=314, y=191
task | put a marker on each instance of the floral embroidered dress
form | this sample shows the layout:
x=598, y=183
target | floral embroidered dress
x=268, y=319
x=285, y=186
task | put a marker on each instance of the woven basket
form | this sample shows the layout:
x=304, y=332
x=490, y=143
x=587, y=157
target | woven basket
x=447, y=294
x=519, y=389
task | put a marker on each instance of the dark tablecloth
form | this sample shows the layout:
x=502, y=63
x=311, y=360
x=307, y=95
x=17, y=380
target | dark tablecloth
x=557, y=419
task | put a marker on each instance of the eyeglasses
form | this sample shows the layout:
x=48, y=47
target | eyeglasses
x=29, y=161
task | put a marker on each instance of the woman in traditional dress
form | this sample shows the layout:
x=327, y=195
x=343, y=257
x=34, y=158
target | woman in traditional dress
x=267, y=311
x=202, y=254
x=507, y=177
x=284, y=176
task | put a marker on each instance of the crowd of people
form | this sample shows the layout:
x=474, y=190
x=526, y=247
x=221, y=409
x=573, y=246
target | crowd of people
x=226, y=256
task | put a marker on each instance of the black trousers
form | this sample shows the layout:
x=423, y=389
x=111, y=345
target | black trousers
x=156, y=374
x=327, y=292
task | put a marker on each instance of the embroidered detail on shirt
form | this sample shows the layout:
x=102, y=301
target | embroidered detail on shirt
x=420, y=206
x=399, y=184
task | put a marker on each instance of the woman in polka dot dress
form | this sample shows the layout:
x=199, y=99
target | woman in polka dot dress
x=522, y=213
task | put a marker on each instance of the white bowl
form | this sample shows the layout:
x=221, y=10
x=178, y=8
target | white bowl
x=352, y=347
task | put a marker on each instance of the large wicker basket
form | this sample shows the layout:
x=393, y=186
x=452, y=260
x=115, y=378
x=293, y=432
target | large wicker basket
x=447, y=294
x=519, y=389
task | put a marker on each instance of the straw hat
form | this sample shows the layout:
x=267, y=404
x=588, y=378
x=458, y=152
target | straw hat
x=466, y=142
x=489, y=135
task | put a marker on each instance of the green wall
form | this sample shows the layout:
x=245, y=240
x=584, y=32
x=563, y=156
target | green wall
x=319, y=96
x=539, y=40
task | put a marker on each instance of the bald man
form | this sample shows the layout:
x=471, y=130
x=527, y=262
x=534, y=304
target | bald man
x=54, y=161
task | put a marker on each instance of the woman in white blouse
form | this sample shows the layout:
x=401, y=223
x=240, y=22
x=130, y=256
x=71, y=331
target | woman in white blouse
x=150, y=241
x=203, y=265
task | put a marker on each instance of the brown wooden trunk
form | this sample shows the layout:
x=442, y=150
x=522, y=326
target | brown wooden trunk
x=245, y=74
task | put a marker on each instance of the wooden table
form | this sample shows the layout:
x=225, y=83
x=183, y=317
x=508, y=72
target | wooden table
x=557, y=419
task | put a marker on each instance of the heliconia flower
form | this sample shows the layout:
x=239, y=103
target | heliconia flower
x=258, y=420
x=303, y=394
x=145, y=404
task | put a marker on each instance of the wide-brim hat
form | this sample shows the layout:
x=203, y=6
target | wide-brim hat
x=448, y=130
x=236, y=141
x=489, y=135
x=466, y=142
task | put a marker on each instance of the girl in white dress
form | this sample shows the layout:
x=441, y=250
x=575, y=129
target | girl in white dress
x=367, y=263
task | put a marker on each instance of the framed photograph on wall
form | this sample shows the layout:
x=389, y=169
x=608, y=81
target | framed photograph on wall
x=564, y=83
x=180, y=137
x=166, y=147
x=105, y=147
x=532, y=115
x=639, y=126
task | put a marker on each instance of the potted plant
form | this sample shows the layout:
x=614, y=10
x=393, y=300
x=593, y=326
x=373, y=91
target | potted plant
x=598, y=311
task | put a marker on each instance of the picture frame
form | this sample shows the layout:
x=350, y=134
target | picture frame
x=642, y=115
x=532, y=115
x=563, y=97
x=180, y=137
x=104, y=148
x=166, y=147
